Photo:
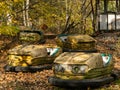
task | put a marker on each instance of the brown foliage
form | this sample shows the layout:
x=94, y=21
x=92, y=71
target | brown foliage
x=43, y=26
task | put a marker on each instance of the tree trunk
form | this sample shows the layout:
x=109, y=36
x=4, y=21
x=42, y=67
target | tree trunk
x=26, y=13
x=9, y=16
x=93, y=15
x=24, y=16
x=67, y=12
x=9, y=19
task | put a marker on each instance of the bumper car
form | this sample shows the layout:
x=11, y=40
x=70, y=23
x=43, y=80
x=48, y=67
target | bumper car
x=31, y=36
x=71, y=43
x=31, y=57
x=82, y=68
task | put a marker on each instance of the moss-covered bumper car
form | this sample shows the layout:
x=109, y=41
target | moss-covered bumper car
x=80, y=69
x=76, y=42
x=31, y=57
x=31, y=36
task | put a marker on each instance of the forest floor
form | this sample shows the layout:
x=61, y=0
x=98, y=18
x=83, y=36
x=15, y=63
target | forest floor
x=39, y=80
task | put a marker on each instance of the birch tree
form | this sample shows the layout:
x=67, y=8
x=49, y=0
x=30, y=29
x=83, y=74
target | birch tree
x=26, y=21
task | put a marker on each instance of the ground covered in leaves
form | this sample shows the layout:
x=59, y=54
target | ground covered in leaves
x=106, y=43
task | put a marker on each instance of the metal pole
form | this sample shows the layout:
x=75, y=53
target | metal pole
x=117, y=5
x=105, y=6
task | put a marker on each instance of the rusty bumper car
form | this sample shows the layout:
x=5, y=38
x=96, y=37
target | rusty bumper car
x=31, y=37
x=82, y=69
x=31, y=57
x=80, y=66
x=76, y=43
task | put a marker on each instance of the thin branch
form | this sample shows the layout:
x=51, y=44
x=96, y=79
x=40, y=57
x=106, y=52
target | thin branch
x=66, y=25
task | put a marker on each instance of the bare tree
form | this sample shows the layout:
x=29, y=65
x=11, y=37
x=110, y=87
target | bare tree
x=24, y=15
x=85, y=10
x=26, y=21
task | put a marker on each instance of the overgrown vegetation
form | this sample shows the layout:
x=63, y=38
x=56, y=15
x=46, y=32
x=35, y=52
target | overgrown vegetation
x=9, y=30
x=69, y=16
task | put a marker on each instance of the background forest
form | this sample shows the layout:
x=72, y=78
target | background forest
x=58, y=16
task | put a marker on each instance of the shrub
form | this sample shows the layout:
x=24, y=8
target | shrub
x=9, y=30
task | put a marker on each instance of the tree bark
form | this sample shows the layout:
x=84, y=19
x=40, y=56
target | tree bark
x=9, y=15
x=26, y=13
x=94, y=17
x=24, y=16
